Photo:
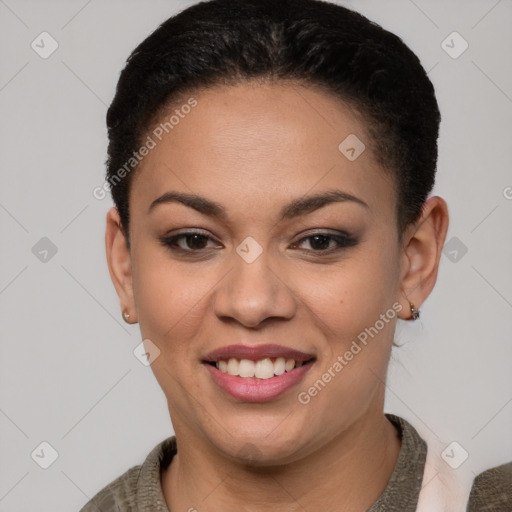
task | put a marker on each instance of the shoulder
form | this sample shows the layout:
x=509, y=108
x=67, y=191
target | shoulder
x=403, y=488
x=423, y=479
x=120, y=494
x=447, y=478
x=139, y=488
x=492, y=489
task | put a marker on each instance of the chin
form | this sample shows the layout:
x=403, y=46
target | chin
x=260, y=449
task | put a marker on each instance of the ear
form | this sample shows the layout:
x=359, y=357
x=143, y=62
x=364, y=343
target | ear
x=119, y=262
x=422, y=246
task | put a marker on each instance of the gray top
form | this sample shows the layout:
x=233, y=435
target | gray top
x=139, y=489
x=492, y=490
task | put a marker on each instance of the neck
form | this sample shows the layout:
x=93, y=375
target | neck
x=347, y=474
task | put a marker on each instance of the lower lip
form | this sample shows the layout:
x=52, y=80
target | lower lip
x=258, y=390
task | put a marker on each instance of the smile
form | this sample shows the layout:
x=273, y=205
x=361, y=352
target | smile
x=261, y=369
x=257, y=374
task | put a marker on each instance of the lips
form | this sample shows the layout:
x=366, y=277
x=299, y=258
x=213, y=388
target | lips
x=256, y=353
x=259, y=373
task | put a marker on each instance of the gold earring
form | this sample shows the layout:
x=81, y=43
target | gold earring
x=126, y=317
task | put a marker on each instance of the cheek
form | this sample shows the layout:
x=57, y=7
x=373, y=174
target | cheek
x=351, y=295
x=168, y=301
x=352, y=307
x=166, y=295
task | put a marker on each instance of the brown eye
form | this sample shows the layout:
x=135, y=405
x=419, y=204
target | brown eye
x=187, y=242
x=320, y=242
x=327, y=242
x=195, y=241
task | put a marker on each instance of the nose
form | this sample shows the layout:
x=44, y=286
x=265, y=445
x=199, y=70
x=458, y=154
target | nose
x=253, y=292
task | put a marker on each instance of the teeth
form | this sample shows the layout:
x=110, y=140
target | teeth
x=246, y=368
x=289, y=365
x=262, y=369
x=279, y=366
x=232, y=366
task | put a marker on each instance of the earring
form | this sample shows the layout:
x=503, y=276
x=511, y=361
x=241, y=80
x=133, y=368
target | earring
x=126, y=317
x=415, y=313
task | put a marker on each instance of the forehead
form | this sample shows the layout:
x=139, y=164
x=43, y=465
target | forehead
x=252, y=144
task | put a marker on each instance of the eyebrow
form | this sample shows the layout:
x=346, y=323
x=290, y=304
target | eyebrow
x=296, y=208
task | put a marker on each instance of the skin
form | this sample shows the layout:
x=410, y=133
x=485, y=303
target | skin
x=253, y=148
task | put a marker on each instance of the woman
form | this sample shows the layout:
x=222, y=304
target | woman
x=271, y=165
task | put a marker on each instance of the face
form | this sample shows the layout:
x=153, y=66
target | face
x=258, y=271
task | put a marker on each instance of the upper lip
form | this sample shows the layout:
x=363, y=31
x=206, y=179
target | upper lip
x=257, y=352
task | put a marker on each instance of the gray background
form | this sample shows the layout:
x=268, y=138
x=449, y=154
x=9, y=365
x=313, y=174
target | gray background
x=68, y=375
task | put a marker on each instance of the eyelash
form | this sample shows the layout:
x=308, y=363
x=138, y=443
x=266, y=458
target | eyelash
x=343, y=241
